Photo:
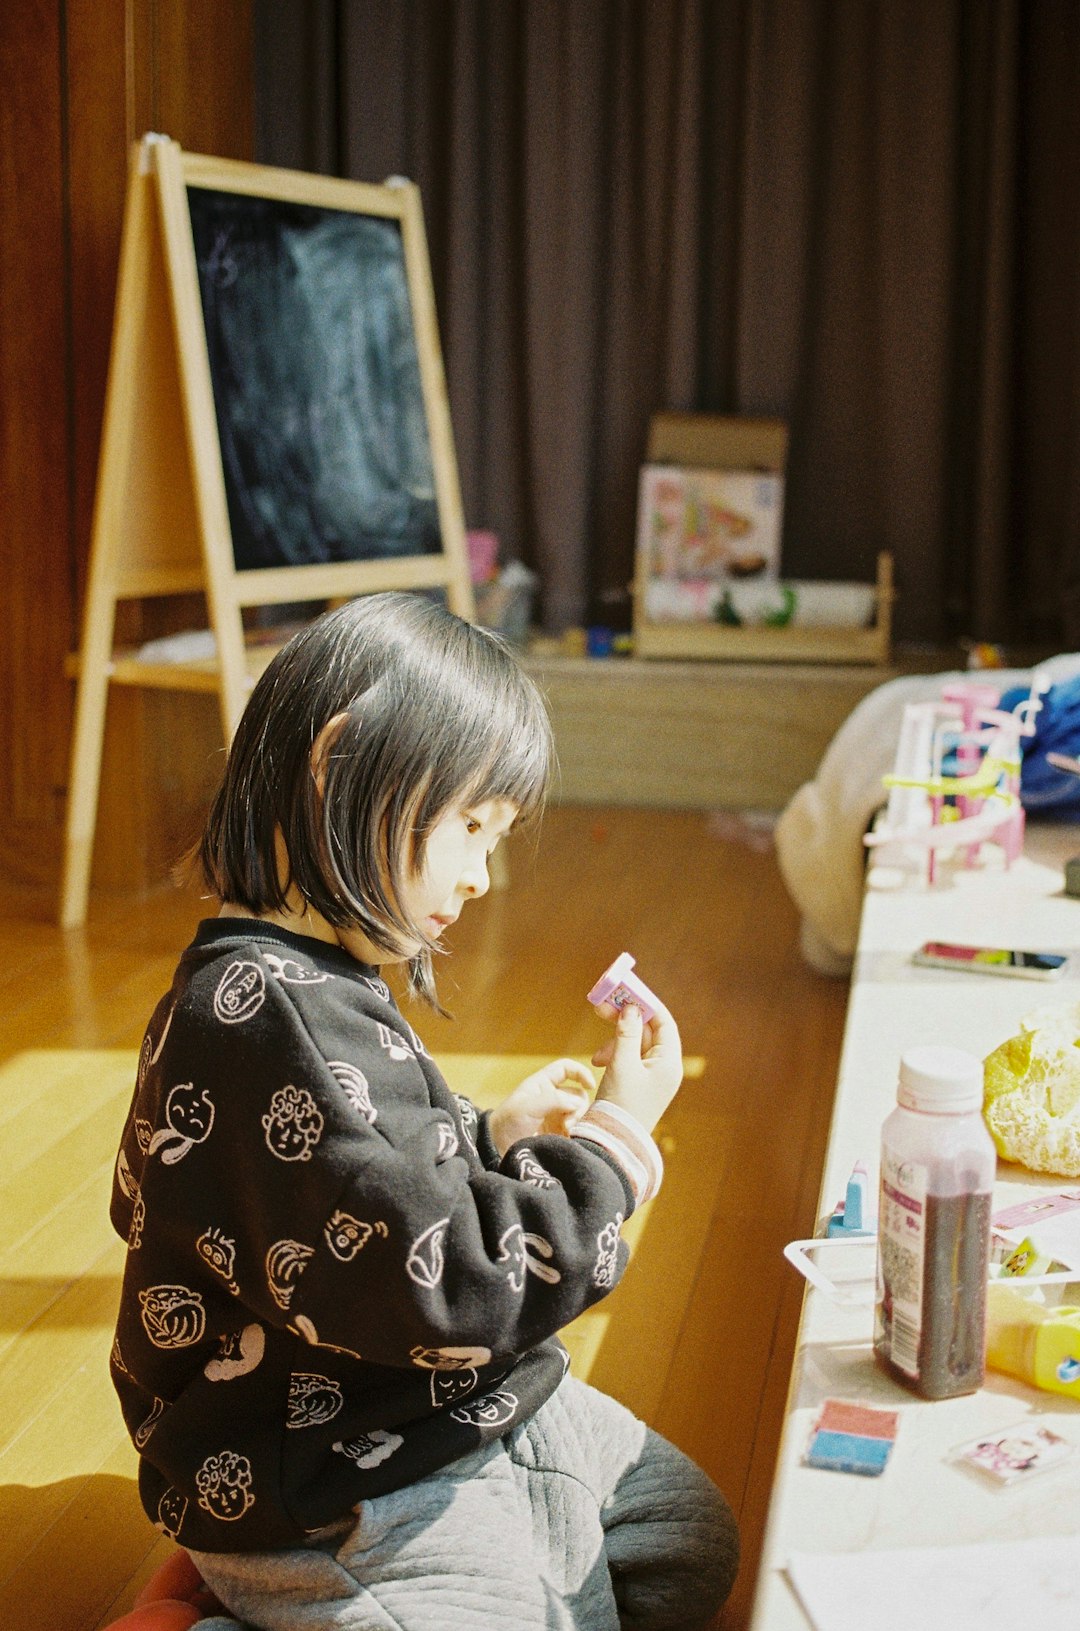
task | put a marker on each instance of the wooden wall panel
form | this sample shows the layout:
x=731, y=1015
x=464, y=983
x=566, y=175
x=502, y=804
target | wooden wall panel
x=35, y=518
x=81, y=80
x=105, y=113
x=204, y=91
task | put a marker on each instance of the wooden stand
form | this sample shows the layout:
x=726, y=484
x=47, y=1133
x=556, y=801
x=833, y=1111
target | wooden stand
x=161, y=520
x=761, y=644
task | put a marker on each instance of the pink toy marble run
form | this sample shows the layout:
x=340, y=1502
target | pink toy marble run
x=929, y=812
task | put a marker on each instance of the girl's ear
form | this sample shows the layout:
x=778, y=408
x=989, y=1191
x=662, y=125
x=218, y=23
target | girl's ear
x=323, y=747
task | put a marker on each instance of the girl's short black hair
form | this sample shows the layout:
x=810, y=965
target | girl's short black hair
x=432, y=711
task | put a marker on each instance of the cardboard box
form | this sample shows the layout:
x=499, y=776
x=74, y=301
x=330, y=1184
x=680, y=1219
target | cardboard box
x=710, y=516
x=702, y=531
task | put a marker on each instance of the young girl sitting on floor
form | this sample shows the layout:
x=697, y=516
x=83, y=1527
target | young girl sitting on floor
x=336, y=1349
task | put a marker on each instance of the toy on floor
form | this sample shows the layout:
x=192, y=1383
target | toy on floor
x=930, y=811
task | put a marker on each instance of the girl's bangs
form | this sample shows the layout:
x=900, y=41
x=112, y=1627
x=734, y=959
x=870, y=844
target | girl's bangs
x=518, y=756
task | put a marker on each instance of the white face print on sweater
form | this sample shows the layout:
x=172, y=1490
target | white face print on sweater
x=313, y=1399
x=370, y=1449
x=224, y=1485
x=189, y=1116
x=239, y=1354
x=290, y=972
x=171, y=1510
x=608, y=1245
x=241, y=992
x=218, y=1252
x=493, y=1410
x=449, y=1386
x=426, y=1260
x=525, y=1253
x=354, y=1085
x=286, y=1260
x=346, y=1235
x=453, y=1371
x=172, y=1316
x=293, y=1125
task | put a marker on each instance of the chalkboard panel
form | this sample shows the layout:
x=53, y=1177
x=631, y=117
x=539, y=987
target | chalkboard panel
x=324, y=438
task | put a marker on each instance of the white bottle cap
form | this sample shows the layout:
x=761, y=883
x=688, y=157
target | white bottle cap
x=943, y=1081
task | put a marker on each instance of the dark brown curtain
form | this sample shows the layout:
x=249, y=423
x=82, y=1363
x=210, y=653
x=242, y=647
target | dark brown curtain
x=860, y=215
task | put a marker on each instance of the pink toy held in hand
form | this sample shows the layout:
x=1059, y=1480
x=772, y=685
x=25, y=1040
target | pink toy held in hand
x=617, y=986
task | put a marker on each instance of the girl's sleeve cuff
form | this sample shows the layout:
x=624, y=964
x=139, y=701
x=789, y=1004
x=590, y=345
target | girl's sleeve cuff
x=486, y=1148
x=625, y=1141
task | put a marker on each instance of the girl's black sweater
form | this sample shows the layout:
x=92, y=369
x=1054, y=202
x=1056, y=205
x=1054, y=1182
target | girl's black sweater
x=334, y=1284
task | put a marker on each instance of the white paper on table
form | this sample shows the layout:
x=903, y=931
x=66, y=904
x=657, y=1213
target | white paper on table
x=985, y=1587
x=1058, y=1238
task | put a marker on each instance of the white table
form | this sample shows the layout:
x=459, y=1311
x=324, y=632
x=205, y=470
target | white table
x=921, y=1500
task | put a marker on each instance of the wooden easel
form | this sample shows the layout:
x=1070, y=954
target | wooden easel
x=161, y=520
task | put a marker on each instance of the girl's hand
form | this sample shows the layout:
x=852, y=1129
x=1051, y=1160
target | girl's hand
x=549, y=1101
x=644, y=1065
x=605, y=1052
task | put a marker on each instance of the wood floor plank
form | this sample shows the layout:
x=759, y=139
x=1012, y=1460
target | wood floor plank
x=159, y=1549
x=67, y=1575
x=650, y=1302
x=56, y=1358
x=36, y=1191
x=63, y=1238
x=47, y=1499
x=70, y=1089
x=33, y=1075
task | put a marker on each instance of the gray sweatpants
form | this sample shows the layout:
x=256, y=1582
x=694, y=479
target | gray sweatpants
x=582, y=1519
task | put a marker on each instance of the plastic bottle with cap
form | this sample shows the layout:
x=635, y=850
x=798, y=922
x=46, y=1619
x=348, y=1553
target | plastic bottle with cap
x=935, y=1200
x=1026, y=1338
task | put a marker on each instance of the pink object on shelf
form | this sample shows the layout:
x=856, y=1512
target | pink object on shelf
x=618, y=985
x=483, y=551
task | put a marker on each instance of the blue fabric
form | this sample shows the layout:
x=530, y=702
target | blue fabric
x=1057, y=730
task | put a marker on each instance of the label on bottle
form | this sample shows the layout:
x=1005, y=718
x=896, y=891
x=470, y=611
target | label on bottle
x=901, y=1256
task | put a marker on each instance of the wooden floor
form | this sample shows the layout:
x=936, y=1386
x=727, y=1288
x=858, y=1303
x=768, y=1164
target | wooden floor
x=698, y=1337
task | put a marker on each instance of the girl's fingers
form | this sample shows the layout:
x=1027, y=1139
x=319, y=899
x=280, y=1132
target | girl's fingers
x=575, y=1100
x=603, y=1055
x=562, y=1073
x=571, y=1071
x=665, y=1034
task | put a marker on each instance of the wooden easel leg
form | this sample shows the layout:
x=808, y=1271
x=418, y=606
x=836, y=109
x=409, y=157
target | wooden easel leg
x=87, y=744
x=499, y=869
